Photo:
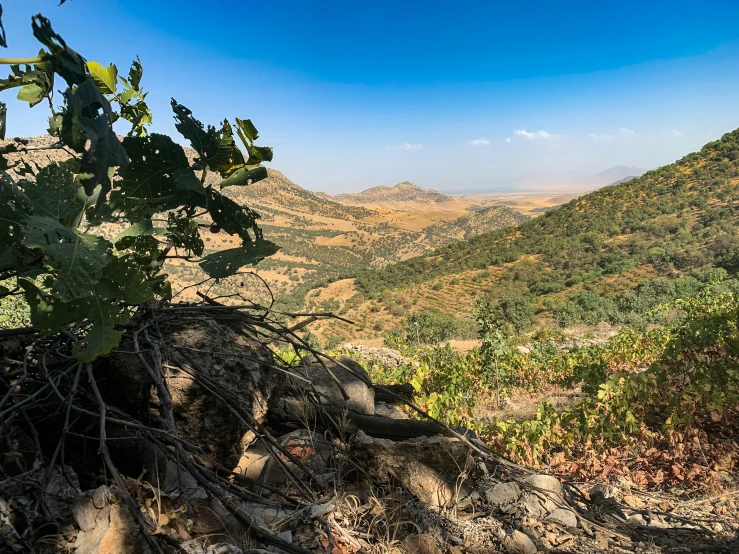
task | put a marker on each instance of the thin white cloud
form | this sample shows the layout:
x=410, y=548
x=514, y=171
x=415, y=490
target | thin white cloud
x=676, y=133
x=480, y=142
x=534, y=134
x=507, y=140
x=410, y=146
x=622, y=132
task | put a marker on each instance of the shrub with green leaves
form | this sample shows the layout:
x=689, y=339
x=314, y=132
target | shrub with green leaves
x=53, y=252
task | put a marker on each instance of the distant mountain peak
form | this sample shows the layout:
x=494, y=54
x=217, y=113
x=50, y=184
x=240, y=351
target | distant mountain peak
x=402, y=192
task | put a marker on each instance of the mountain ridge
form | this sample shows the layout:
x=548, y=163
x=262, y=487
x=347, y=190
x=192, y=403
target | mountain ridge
x=404, y=191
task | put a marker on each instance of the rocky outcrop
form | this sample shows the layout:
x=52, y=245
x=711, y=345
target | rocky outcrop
x=220, y=381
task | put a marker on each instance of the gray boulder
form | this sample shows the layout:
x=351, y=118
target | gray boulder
x=354, y=381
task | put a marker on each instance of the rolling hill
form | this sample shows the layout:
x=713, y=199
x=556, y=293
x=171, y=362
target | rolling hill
x=402, y=192
x=681, y=219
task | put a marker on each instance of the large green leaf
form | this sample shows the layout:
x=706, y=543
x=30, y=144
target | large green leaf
x=228, y=262
x=75, y=264
x=184, y=233
x=124, y=280
x=233, y=218
x=55, y=194
x=102, y=336
x=14, y=207
x=105, y=78
x=39, y=231
x=31, y=93
x=89, y=109
x=148, y=183
x=50, y=314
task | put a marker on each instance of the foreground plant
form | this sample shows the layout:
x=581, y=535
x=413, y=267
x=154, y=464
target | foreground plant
x=53, y=252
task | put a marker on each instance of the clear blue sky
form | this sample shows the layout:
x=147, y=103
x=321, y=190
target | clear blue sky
x=452, y=95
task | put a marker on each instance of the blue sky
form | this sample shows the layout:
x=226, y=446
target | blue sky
x=452, y=95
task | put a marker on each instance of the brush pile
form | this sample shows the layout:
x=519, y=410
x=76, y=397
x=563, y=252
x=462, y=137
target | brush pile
x=195, y=436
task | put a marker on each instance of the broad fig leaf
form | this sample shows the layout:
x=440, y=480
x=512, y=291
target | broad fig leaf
x=148, y=182
x=105, y=78
x=228, y=262
x=50, y=314
x=55, y=194
x=124, y=280
x=39, y=231
x=90, y=108
x=102, y=336
x=245, y=176
x=76, y=265
x=15, y=205
x=233, y=218
x=72, y=132
x=143, y=227
x=184, y=233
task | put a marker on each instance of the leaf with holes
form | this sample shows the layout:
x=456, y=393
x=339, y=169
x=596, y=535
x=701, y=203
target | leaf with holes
x=228, y=262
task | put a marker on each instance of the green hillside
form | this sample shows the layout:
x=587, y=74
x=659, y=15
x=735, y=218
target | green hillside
x=676, y=220
x=473, y=224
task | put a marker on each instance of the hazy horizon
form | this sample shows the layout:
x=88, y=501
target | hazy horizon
x=355, y=95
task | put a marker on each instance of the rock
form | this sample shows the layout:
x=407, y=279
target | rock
x=523, y=349
x=312, y=449
x=196, y=546
x=387, y=410
x=180, y=482
x=563, y=516
x=62, y=489
x=432, y=468
x=421, y=544
x=544, y=483
x=253, y=460
x=320, y=510
x=538, y=504
x=361, y=396
x=385, y=356
x=503, y=494
x=637, y=519
x=270, y=517
x=519, y=543
x=106, y=527
x=237, y=365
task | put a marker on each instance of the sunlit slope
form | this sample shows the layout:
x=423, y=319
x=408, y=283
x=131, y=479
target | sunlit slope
x=679, y=218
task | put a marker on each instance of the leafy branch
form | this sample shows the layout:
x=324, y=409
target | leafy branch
x=51, y=240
